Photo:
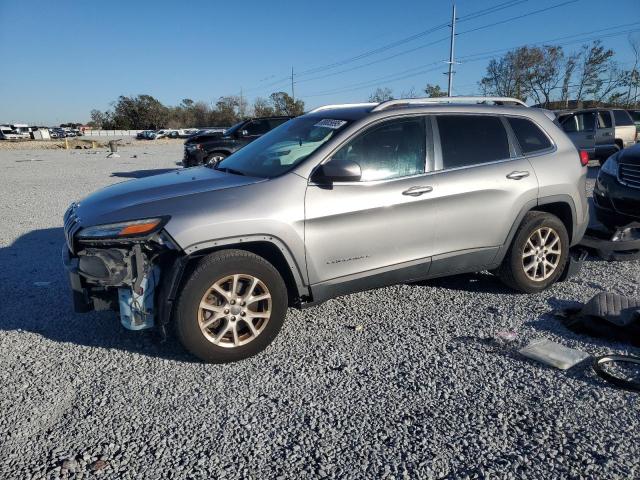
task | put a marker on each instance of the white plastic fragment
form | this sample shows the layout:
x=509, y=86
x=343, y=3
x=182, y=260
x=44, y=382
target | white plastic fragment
x=553, y=354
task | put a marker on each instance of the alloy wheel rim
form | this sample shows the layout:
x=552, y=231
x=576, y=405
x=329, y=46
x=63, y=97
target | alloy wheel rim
x=541, y=254
x=234, y=310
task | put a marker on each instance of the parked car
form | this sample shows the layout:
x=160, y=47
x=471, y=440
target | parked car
x=216, y=146
x=187, y=132
x=8, y=133
x=616, y=195
x=600, y=132
x=145, y=135
x=343, y=199
x=58, y=132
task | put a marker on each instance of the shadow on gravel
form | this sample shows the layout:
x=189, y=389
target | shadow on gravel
x=470, y=282
x=36, y=298
x=142, y=173
x=592, y=172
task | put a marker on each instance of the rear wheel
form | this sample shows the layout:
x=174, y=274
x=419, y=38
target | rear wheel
x=537, y=255
x=231, y=307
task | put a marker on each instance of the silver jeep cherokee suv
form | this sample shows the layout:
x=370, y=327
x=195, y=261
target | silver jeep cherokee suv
x=343, y=199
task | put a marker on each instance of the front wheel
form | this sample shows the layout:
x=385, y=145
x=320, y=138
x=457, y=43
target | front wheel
x=538, y=254
x=231, y=307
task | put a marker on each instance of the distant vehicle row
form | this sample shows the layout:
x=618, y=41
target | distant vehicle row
x=173, y=133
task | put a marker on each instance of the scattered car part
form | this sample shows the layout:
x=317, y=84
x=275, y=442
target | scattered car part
x=600, y=362
x=553, y=354
x=623, y=244
x=607, y=315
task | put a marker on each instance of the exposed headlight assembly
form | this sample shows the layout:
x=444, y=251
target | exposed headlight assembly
x=135, y=228
x=611, y=166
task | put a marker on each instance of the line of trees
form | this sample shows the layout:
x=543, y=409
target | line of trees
x=551, y=78
x=146, y=112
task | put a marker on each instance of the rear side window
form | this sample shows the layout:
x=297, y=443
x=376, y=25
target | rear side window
x=622, y=118
x=580, y=122
x=529, y=135
x=604, y=120
x=635, y=114
x=471, y=140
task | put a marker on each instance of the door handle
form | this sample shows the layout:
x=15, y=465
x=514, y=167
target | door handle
x=518, y=175
x=589, y=137
x=607, y=134
x=417, y=191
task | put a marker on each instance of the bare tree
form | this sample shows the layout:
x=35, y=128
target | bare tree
x=595, y=62
x=381, y=95
x=506, y=76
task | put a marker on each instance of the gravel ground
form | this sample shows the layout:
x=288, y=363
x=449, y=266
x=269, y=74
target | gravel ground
x=85, y=142
x=415, y=391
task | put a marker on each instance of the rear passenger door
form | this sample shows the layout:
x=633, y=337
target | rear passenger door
x=480, y=184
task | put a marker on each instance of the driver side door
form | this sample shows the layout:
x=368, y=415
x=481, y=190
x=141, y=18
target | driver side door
x=379, y=229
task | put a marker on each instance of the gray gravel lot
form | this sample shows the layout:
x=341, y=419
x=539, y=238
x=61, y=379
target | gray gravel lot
x=418, y=392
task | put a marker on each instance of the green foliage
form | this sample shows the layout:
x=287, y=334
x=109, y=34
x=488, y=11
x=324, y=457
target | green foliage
x=434, y=91
x=144, y=112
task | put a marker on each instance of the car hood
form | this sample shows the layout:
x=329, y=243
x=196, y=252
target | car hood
x=205, y=137
x=154, y=195
x=630, y=155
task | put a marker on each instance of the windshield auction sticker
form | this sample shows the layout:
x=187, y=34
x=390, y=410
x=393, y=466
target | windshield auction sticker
x=329, y=123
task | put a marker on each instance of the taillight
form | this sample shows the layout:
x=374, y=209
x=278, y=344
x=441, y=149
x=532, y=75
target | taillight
x=584, y=158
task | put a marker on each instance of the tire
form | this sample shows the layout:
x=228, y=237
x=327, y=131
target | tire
x=237, y=340
x=513, y=273
x=214, y=158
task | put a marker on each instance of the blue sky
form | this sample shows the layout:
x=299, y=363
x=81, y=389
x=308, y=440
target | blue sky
x=63, y=58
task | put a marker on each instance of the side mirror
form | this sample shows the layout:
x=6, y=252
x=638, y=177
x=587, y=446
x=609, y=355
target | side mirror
x=338, y=171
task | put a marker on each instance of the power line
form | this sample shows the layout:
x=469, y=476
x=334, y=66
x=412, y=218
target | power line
x=517, y=17
x=468, y=17
x=481, y=56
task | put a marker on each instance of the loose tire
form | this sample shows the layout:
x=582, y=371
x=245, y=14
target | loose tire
x=537, y=255
x=231, y=307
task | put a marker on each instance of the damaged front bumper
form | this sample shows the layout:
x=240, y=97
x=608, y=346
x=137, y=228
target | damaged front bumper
x=119, y=276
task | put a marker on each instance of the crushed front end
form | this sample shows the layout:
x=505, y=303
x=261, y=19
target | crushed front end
x=118, y=266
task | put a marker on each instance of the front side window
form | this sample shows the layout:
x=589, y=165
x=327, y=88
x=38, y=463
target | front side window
x=622, y=118
x=257, y=127
x=276, y=122
x=284, y=147
x=529, y=135
x=394, y=149
x=472, y=140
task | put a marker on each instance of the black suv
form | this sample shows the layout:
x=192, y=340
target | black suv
x=211, y=148
x=617, y=191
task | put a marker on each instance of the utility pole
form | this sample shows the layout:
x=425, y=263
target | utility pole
x=293, y=94
x=451, y=50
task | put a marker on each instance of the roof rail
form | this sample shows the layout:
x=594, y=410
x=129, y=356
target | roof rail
x=437, y=100
x=342, y=105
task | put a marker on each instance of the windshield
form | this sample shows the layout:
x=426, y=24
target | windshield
x=282, y=148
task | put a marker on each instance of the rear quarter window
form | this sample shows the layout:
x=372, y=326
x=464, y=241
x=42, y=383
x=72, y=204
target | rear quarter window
x=529, y=135
x=622, y=118
x=468, y=140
